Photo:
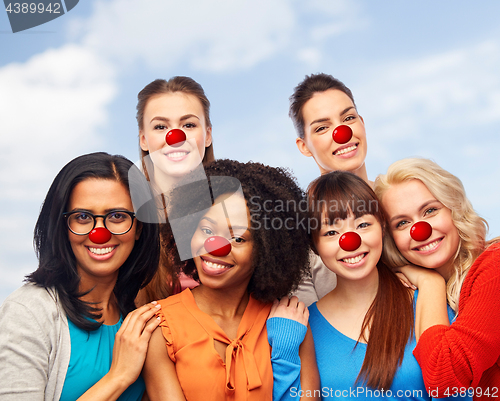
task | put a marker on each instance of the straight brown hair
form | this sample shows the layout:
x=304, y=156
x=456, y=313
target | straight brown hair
x=181, y=84
x=389, y=322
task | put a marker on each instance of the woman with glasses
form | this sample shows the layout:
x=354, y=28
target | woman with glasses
x=71, y=332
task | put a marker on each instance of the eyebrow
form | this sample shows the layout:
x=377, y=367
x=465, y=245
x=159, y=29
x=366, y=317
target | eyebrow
x=183, y=118
x=114, y=209
x=324, y=119
x=231, y=228
x=400, y=216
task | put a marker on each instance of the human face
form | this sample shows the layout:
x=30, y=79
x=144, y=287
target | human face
x=409, y=202
x=100, y=262
x=351, y=265
x=324, y=112
x=235, y=269
x=168, y=111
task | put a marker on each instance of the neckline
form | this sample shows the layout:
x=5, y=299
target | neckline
x=334, y=330
x=212, y=328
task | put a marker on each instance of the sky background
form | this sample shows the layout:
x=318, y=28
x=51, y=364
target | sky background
x=425, y=77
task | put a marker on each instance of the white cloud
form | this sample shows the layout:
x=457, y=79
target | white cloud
x=55, y=103
x=216, y=36
x=445, y=91
x=212, y=36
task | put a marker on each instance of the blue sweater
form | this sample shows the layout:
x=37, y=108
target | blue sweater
x=339, y=363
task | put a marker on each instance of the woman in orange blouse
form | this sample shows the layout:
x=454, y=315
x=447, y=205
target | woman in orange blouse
x=246, y=249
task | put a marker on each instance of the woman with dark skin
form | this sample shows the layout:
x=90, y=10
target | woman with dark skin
x=221, y=339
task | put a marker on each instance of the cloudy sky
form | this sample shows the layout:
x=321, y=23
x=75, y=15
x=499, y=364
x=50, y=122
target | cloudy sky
x=425, y=76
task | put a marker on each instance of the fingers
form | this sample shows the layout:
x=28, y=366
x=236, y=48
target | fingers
x=290, y=308
x=407, y=283
x=136, y=321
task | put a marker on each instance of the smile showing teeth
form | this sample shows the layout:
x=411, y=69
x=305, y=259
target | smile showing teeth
x=174, y=155
x=101, y=251
x=353, y=260
x=215, y=265
x=345, y=150
x=430, y=246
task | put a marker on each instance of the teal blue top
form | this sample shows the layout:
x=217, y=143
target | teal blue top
x=90, y=360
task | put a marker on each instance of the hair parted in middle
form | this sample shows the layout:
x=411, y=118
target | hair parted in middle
x=389, y=320
x=280, y=255
x=180, y=84
x=448, y=190
x=57, y=263
x=305, y=90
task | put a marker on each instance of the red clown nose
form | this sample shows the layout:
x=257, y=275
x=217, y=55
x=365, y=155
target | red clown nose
x=350, y=241
x=100, y=235
x=217, y=246
x=342, y=134
x=420, y=231
x=175, y=137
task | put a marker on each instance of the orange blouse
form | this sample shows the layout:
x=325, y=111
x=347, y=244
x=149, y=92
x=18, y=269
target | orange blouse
x=190, y=334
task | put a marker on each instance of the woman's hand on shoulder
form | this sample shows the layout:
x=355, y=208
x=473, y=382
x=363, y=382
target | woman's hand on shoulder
x=131, y=342
x=414, y=277
x=290, y=308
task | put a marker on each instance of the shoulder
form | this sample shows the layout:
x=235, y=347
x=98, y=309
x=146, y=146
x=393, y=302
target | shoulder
x=172, y=300
x=483, y=277
x=34, y=303
x=33, y=297
x=486, y=266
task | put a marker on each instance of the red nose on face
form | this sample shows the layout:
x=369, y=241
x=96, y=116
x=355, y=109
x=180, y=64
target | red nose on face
x=350, y=241
x=217, y=246
x=420, y=231
x=342, y=134
x=99, y=235
x=175, y=137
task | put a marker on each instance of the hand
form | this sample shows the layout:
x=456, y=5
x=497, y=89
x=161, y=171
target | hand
x=290, y=308
x=416, y=276
x=405, y=281
x=131, y=343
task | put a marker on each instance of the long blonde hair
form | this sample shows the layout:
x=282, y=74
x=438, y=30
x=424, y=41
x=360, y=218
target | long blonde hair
x=448, y=190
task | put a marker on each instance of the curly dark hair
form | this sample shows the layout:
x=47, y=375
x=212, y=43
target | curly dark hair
x=277, y=207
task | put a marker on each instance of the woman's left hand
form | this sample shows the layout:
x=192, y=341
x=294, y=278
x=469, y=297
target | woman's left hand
x=290, y=308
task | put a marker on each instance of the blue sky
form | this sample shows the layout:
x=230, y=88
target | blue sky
x=424, y=76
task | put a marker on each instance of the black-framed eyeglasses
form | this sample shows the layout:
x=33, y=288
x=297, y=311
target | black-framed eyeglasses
x=82, y=223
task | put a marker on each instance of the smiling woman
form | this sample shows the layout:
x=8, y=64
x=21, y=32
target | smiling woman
x=213, y=338
x=176, y=109
x=64, y=334
x=456, y=264
x=363, y=329
x=331, y=131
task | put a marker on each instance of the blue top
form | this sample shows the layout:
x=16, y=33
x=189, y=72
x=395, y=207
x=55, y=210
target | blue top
x=90, y=360
x=339, y=363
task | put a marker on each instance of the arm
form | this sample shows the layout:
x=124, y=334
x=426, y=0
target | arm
x=159, y=371
x=431, y=302
x=458, y=355
x=24, y=354
x=286, y=330
x=129, y=353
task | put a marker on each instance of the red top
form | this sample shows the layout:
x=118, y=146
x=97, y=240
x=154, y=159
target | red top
x=467, y=353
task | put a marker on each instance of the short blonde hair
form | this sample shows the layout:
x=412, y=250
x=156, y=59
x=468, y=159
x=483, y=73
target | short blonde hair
x=448, y=190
